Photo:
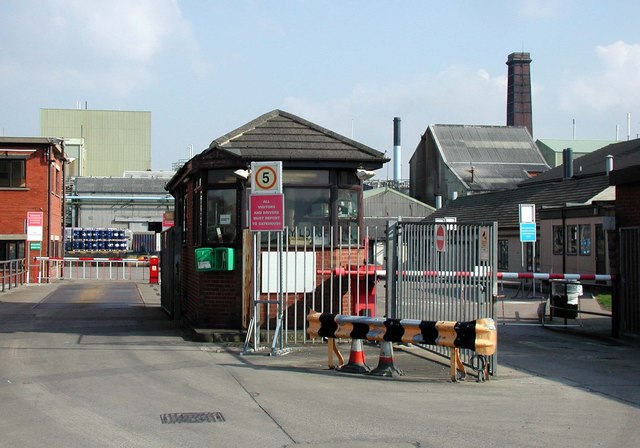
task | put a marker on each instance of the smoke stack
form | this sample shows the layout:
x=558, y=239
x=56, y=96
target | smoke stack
x=609, y=164
x=397, y=170
x=519, y=91
x=567, y=163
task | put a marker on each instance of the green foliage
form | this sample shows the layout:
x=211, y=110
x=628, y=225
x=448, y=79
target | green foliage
x=604, y=300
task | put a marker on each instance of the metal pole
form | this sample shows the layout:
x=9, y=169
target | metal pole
x=390, y=300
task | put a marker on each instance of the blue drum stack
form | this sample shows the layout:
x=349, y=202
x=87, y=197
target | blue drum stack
x=100, y=240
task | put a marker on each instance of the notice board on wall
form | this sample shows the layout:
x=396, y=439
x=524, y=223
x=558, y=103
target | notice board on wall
x=299, y=272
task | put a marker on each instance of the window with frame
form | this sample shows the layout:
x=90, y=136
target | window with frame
x=503, y=255
x=222, y=216
x=558, y=240
x=197, y=212
x=307, y=205
x=572, y=239
x=584, y=233
x=348, y=215
x=314, y=206
x=308, y=213
x=12, y=173
x=220, y=208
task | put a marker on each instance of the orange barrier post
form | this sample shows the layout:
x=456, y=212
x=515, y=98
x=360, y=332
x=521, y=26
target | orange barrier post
x=457, y=366
x=333, y=348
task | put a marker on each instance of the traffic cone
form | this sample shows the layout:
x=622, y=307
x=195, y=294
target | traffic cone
x=356, y=362
x=385, y=365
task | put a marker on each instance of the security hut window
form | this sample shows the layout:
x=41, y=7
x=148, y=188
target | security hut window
x=348, y=206
x=572, y=240
x=313, y=206
x=307, y=206
x=558, y=240
x=584, y=231
x=221, y=222
x=12, y=173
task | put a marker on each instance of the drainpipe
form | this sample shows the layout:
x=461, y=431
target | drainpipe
x=48, y=254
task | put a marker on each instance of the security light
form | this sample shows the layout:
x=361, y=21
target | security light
x=364, y=174
x=242, y=174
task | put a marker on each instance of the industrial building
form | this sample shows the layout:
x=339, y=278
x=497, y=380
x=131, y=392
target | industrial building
x=136, y=203
x=101, y=142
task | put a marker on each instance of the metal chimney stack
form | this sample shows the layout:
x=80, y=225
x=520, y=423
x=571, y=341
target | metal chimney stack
x=397, y=158
x=609, y=164
x=567, y=163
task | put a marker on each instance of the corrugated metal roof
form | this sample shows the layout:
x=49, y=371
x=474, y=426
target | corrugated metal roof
x=120, y=185
x=488, y=157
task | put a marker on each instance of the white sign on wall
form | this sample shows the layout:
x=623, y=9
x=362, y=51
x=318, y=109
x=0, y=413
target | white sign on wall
x=34, y=226
x=299, y=272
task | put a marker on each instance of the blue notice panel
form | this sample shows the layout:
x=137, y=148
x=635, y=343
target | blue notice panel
x=527, y=232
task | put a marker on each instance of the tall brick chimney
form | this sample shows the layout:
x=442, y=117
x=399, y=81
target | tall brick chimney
x=519, y=91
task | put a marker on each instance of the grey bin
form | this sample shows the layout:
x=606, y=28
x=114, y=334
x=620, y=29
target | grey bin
x=565, y=298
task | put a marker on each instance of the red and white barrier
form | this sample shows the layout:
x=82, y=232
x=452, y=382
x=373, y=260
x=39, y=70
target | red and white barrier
x=548, y=276
x=480, y=273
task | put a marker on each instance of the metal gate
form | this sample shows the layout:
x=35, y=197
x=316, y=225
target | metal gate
x=629, y=283
x=442, y=272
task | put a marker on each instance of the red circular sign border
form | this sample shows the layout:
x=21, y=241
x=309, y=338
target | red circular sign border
x=272, y=184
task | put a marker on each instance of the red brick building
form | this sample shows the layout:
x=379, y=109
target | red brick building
x=31, y=181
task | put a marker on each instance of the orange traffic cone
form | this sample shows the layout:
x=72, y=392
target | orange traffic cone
x=385, y=365
x=356, y=362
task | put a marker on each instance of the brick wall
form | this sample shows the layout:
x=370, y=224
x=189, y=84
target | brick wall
x=209, y=299
x=628, y=205
x=36, y=197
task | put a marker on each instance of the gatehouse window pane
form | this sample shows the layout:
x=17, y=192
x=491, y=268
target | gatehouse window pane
x=221, y=216
x=348, y=216
x=585, y=239
x=307, y=213
x=572, y=239
x=558, y=240
x=305, y=177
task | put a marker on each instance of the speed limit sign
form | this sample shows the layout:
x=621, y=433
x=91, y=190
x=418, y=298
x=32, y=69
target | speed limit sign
x=266, y=177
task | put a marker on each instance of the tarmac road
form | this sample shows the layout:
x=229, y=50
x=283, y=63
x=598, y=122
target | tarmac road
x=97, y=364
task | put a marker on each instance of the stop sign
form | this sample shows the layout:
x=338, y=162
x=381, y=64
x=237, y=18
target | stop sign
x=441, y=242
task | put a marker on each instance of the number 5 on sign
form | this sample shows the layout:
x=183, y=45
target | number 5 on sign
x=266, y=177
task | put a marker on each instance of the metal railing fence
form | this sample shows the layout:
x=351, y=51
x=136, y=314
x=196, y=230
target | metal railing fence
x=13, y=273
x=72, y=268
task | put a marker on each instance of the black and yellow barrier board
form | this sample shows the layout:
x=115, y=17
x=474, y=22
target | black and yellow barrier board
x=478, y=335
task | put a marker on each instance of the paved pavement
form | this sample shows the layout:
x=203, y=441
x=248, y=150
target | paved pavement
x=99, y=364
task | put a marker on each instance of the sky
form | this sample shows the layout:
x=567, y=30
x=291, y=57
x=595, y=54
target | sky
x=205, y=67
